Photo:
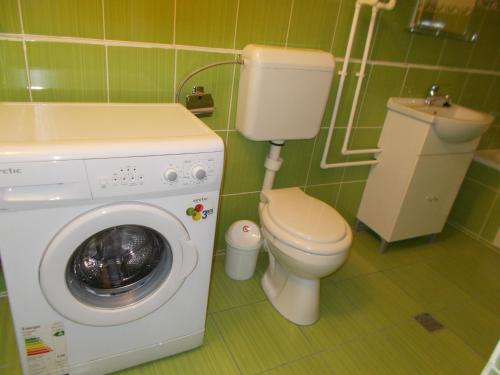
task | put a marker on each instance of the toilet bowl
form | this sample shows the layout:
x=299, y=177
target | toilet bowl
x=306, y=240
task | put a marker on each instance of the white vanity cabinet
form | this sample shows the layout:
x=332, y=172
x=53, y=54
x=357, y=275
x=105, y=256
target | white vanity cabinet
x=411, y=190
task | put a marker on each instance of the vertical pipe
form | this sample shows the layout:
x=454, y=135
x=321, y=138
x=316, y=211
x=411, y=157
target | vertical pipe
x=361, y=75
x=340, y=89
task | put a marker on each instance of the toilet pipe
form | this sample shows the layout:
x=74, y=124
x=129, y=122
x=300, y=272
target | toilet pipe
x=273, y=164
x=376, y=5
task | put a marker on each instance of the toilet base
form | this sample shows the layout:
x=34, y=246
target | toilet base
x=296, y=298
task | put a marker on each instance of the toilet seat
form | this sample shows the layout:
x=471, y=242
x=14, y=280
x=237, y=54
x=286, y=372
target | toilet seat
x=303, y=222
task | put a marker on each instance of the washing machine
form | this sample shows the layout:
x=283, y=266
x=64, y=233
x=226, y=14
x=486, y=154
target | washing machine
x=107, y=221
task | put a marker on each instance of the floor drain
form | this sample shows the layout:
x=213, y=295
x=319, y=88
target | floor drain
x=427, y=321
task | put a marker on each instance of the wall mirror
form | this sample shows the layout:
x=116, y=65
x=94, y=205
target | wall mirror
x=459, y=19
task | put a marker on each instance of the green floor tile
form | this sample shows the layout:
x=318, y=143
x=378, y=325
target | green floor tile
x=358, y=307
x=226, y=293
x=260, y=338
x=211, y=358
x=475, y=325
x=9, y=360
x=355, y=265
x=314, y=365
x=405, y=348
x=426, y=286
x=367, y=243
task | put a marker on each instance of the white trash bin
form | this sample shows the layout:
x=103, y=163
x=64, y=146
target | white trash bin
x=243, y=242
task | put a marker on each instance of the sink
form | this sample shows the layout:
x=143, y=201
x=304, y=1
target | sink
x=453, y=124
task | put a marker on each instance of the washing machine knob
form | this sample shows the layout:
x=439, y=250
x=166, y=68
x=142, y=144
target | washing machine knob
x=170, y=175
x=199, y=172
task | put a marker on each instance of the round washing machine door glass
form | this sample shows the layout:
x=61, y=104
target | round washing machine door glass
x=116, y=263
x=119, y=266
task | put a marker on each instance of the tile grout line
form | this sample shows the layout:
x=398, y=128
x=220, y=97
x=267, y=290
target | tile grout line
x=289, y=22
x=25, y=50
x=233, y=78
x=226, y=346
x=335, y=27
x=106, y=61
x=175, y=50
x=403, y=85
x=487, y=216
x=121, y=43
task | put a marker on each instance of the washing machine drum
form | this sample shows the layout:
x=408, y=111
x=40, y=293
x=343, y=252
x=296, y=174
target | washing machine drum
x=119, y=265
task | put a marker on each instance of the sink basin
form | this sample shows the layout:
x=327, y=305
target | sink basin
x=453, y=124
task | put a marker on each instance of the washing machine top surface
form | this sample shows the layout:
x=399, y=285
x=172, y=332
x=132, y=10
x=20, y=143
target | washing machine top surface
x=59, y=131
x=302, y=221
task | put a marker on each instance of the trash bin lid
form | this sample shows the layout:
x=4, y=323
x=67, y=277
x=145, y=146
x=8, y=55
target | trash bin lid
x=244, y=235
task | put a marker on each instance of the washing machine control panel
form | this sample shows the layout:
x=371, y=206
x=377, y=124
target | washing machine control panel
x=139, y=175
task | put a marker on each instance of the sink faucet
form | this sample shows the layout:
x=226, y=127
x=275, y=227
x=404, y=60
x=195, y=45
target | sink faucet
x=434, y=99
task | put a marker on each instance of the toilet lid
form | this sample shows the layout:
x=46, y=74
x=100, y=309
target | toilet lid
x=303, y=216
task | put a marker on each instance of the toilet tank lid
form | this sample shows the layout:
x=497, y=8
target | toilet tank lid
x=287, y=58
x=303, y=216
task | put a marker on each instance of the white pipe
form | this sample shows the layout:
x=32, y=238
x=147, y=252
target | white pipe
x=361, y=75
x=376, y=4
x=340, y=89
x=272, y=164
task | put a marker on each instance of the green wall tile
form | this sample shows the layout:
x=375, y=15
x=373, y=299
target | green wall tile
x=456, y=53
x=63, y=17
x=325, y=176
x=140, y=74
x=392, y=40
x=472, y=204
x=451, y=83
x=326, y=193
x=313, y=23
x=349, y=200
x=67, y=72
x=9, y=17
x=13, y=80
x=244, y=164
x=418, y=81
x=425, y=49
x=233, y=208
x=492, y=103
x=296, y=158
x=216, y=81
x=473, y=92
x=262, y=22
x=215, y=28
x=492, y=225
x=343, y=27
x=383, y=82
x=484, y=174
x=143, y=21
x=348, y=93
x=483, y=55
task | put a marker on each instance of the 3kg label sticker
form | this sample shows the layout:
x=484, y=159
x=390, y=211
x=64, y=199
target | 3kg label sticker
x=198, y=212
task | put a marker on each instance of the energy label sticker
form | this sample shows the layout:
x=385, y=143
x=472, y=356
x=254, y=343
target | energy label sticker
x=45, y=349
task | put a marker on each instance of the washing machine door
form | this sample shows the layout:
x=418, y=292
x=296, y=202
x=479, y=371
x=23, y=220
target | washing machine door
x=116, y=263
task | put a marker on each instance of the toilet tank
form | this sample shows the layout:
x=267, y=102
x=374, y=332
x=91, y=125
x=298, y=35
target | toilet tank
x=282, y=92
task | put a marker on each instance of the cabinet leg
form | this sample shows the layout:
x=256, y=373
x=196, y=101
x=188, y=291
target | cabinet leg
x=383, y=246
x=432, y=237
x=358, y=225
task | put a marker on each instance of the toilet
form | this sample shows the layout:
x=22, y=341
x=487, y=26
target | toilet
x=282, y=96
x=306, y=240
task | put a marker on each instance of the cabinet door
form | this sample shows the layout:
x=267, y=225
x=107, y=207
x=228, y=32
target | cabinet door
x=430, y=194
